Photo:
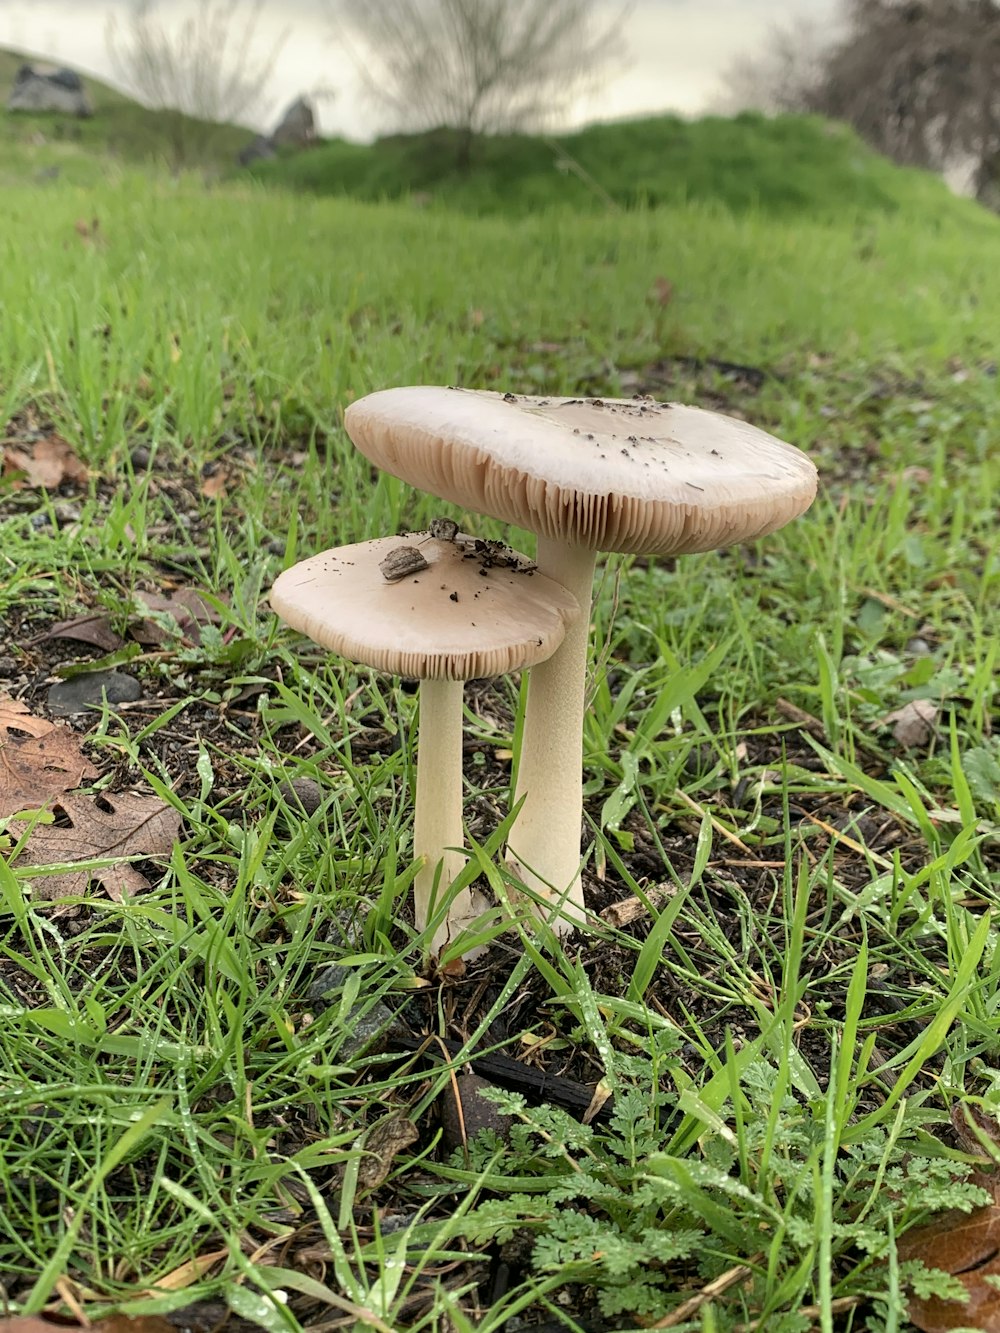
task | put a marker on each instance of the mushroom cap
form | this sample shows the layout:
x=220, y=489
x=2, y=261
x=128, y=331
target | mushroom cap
x=449, y=621
x=608, y=474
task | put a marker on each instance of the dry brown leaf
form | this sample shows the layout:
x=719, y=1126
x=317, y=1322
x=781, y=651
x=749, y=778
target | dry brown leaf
x=39, y=760
x=108, y=826
x=913, y=724
x=46, y=463
x=94, y=627
x=922, y=475
x=179, y=1278
x=87, y=231
x=380, y=1145
x=116, y=1323
x=966, y=1120
x=187, y=606
x=662, y=291
x=967, y=1245
x=216, y=485
x=124, y=1323
x=25, y=1323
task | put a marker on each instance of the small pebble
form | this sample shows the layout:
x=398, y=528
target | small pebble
x=477, y=1112
x=302, y=794
x=699, y=760
x=367, y=1025
x=66, y=513
x=918, y=647
x=81, y=693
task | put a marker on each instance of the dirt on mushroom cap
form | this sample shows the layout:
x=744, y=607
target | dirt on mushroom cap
x=456, y=620
x=608, y=474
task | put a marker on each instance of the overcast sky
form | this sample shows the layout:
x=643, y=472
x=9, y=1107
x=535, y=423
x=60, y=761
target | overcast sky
x=675, y=51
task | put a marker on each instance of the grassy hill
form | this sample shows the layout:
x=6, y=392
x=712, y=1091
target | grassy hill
x=45, y=145
x=786, y=164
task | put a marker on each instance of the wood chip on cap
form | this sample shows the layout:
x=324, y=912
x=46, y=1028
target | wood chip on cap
x=456, y=620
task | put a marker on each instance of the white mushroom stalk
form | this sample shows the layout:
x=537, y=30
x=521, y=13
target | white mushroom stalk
x=544, y=846
x=585, y=475
x=441, y=610
x=438, y=835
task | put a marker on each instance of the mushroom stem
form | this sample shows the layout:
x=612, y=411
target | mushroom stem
x=437, y=819
x=544, y=846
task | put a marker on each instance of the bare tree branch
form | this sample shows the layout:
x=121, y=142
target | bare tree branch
x=479, y=66
x=203, y=69
x=918, y=79
x=783, y=76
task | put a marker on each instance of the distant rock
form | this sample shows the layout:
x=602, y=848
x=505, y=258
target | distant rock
x=49, y=88
x=296, y=129
x=261, y=147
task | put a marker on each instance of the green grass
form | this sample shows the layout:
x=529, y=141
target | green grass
x=785, y=165
x=813, y=990
x=38, y=147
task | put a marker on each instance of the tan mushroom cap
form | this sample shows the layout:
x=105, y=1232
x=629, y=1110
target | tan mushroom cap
x=447, y=622
x=608, y=474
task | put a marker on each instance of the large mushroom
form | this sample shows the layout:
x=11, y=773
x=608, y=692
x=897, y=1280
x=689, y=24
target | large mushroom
x=441, y=610
x=585, y=475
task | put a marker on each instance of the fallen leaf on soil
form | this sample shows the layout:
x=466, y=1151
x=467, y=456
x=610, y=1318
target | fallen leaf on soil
x=143, y=1323
x=922, y=475
x=94, y=627
x=24, y=1323
x=87, y=230
x=380, y=1146
x=216, y=485
x=187, y=606
x=662, y=291
x=39, y=760
x=116, y=1323
x=179, y=1278
x=121, y=825
x=975, y=1128
x=967, y=1245
x=913, y=724
x=46, y=463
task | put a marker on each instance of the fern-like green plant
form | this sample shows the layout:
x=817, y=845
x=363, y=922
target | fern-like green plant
x=610, y=1208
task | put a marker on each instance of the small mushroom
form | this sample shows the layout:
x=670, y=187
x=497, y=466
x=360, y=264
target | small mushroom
x=415, y=627
x=689, y=480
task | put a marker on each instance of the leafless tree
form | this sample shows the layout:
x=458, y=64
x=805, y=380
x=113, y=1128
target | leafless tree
x=202, y=70
x=783, y=75
x=479, y=66
x=918, y=79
